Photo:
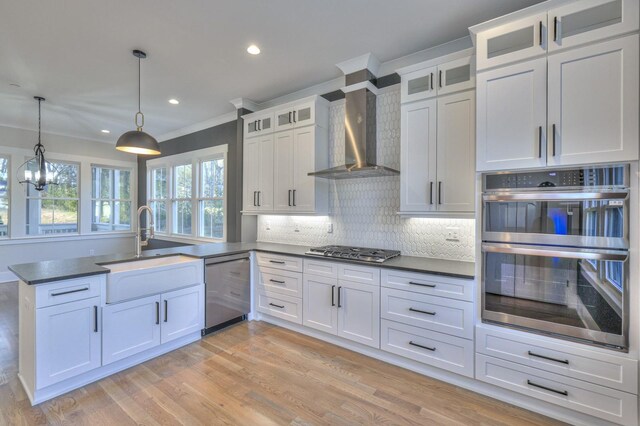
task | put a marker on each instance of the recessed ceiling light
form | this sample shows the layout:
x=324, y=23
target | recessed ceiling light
x=253, y=49
x=174, y=101
x=105, y=131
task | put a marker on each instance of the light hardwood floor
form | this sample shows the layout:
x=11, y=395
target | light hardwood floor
x=250, y=374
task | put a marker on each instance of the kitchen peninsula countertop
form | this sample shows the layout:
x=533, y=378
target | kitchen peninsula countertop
x=56, y=270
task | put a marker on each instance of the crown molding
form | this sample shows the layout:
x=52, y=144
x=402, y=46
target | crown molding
x=212, y=122
x=367, y=61
x=245, y=103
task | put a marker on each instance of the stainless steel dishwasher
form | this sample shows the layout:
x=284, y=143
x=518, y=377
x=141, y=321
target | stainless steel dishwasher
x=228, y=287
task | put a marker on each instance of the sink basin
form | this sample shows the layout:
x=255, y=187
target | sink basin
x=145, y=277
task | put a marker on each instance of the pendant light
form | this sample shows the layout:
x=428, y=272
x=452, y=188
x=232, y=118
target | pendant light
x=137, y=141
x=37, y=171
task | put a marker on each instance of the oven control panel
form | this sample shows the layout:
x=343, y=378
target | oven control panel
x=609, y=176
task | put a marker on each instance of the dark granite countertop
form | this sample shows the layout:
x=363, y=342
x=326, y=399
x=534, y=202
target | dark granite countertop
x=56, y=270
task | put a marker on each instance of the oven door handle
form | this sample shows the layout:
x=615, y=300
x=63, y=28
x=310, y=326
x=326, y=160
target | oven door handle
x=554, y=196
x=563, y=252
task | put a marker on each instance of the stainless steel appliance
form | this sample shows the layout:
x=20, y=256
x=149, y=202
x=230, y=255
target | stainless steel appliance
x=555, y=252
x=354, y=253
x=228, y=291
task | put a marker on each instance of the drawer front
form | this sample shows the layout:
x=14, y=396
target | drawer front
x=556, y=357
x=598, y=401
x=359, y=274
x=431, y=312
x=281, y=306
x=321, y=268
x=454, y=288
x=68, y=291
x=282, y=282
x=277, y=261
x=428, y=347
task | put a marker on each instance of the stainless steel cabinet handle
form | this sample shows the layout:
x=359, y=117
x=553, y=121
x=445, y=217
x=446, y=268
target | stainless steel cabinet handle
x=339, y=297
x=422, y=312
x=333, y=302
x=289, y=198
x=440, y=192
x=157, y=312
x=431, y=79
x=562, y=361
x=95, y=319
x=422, y=284
x=166, y=310
x=539, y=141
x=440, y=79
x=294, y=198
x=540, y=33
x=277, y=306
x=530, y=383
x=412, y=343
x=553, y=135
x=69, y=291
x=279, y=262
x=431, y=193
x=555, y=28
x=276, y=281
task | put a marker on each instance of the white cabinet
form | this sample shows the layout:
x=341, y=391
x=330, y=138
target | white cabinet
x=183, y=313
x=590, y=20
x=130, y=327
x=419, y=84
x=283, y=170
x=258, y=174
x=593, y=103
x=296, y=115
x=456, y=75
x=359, y=312
x=319, y=303
x=258, y=124
x=511, y=114
x=68, y=340
x=516, y=41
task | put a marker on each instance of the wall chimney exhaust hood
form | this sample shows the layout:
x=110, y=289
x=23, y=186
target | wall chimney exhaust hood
x=360, y=123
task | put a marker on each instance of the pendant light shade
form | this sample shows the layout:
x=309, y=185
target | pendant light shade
x=137, y=141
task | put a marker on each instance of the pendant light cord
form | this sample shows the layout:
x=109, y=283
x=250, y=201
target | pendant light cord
x=39, y=148
x=139, y=108
x=139, y=113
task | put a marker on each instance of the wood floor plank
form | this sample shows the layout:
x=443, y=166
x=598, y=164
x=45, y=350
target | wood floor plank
x=252, y=374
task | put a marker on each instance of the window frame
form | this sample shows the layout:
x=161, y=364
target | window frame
x=201, y=198
x=112, y=201
x=166, y=200
x=174, y=200
x=7, y=196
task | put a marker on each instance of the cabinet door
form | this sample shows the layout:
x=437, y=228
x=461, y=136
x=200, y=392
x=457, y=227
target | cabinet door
x=593, y=103
x=456, y=152
x=590, y=20
x=512, y=42
x=265, y=123
x=284, y=119
x=418, y=156
x=418, y=85
x=457, y=75
x=265, y=174
x=359, y=313
x=304, y=114
x=320, y=303
x=129, y=328
x=182, y=313
x=304, y=186
x=251, y=126
x=512, y=109
x=251, y=174
x=69, y=341
x=283, y=170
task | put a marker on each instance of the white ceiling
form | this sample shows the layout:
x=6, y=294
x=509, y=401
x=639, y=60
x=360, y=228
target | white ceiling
x=77, y=53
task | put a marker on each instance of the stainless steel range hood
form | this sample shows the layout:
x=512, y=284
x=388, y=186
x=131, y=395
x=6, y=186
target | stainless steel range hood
x=360, y=131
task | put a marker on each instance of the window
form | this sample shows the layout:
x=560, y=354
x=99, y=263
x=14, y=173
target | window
x=158, y=196
x=211, y=200
x=55, y=210
x=111, y=199
x=187, y=194
x=4, y=197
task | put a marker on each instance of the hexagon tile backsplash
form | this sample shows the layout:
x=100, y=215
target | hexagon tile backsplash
x=363, y=212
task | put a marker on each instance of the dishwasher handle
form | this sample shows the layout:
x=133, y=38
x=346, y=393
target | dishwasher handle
x=225, y=259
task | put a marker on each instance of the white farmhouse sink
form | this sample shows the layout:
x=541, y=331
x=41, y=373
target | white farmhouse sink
x=145, y=277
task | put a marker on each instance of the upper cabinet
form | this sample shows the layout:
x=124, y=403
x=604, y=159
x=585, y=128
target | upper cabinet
x=259, y=124
x=590, y=20
x=456, y=75
x=276, y=164
x=431, y=81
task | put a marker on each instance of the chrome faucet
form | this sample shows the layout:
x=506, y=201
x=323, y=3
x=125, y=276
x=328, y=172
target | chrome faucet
x=139, y=241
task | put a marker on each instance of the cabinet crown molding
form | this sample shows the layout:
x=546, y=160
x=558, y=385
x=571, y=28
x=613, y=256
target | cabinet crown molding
x=367, y=61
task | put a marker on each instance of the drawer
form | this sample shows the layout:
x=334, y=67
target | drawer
x=552, y=355
x=282, y=282
x=454, y=288
x=281, y=306
x=428, y=347
x=69, y=290
x=598, y=401
x=277, y=261
x=321, y=268
x=440, y=314
x=359, y=274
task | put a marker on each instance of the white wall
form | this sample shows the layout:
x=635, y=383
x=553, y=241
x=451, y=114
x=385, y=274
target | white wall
x=363, y=211
x=18, y=143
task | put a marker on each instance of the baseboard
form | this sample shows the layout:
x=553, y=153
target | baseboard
x=7, y=277
x=532, y=404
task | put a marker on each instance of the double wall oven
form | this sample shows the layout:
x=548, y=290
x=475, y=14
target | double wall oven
x=555, y=253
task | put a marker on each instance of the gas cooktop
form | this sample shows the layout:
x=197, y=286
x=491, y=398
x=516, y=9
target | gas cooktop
x=354, y=253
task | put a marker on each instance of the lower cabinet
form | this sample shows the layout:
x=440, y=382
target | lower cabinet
x=347, y=309
x=68, y=340
x=138, y=325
